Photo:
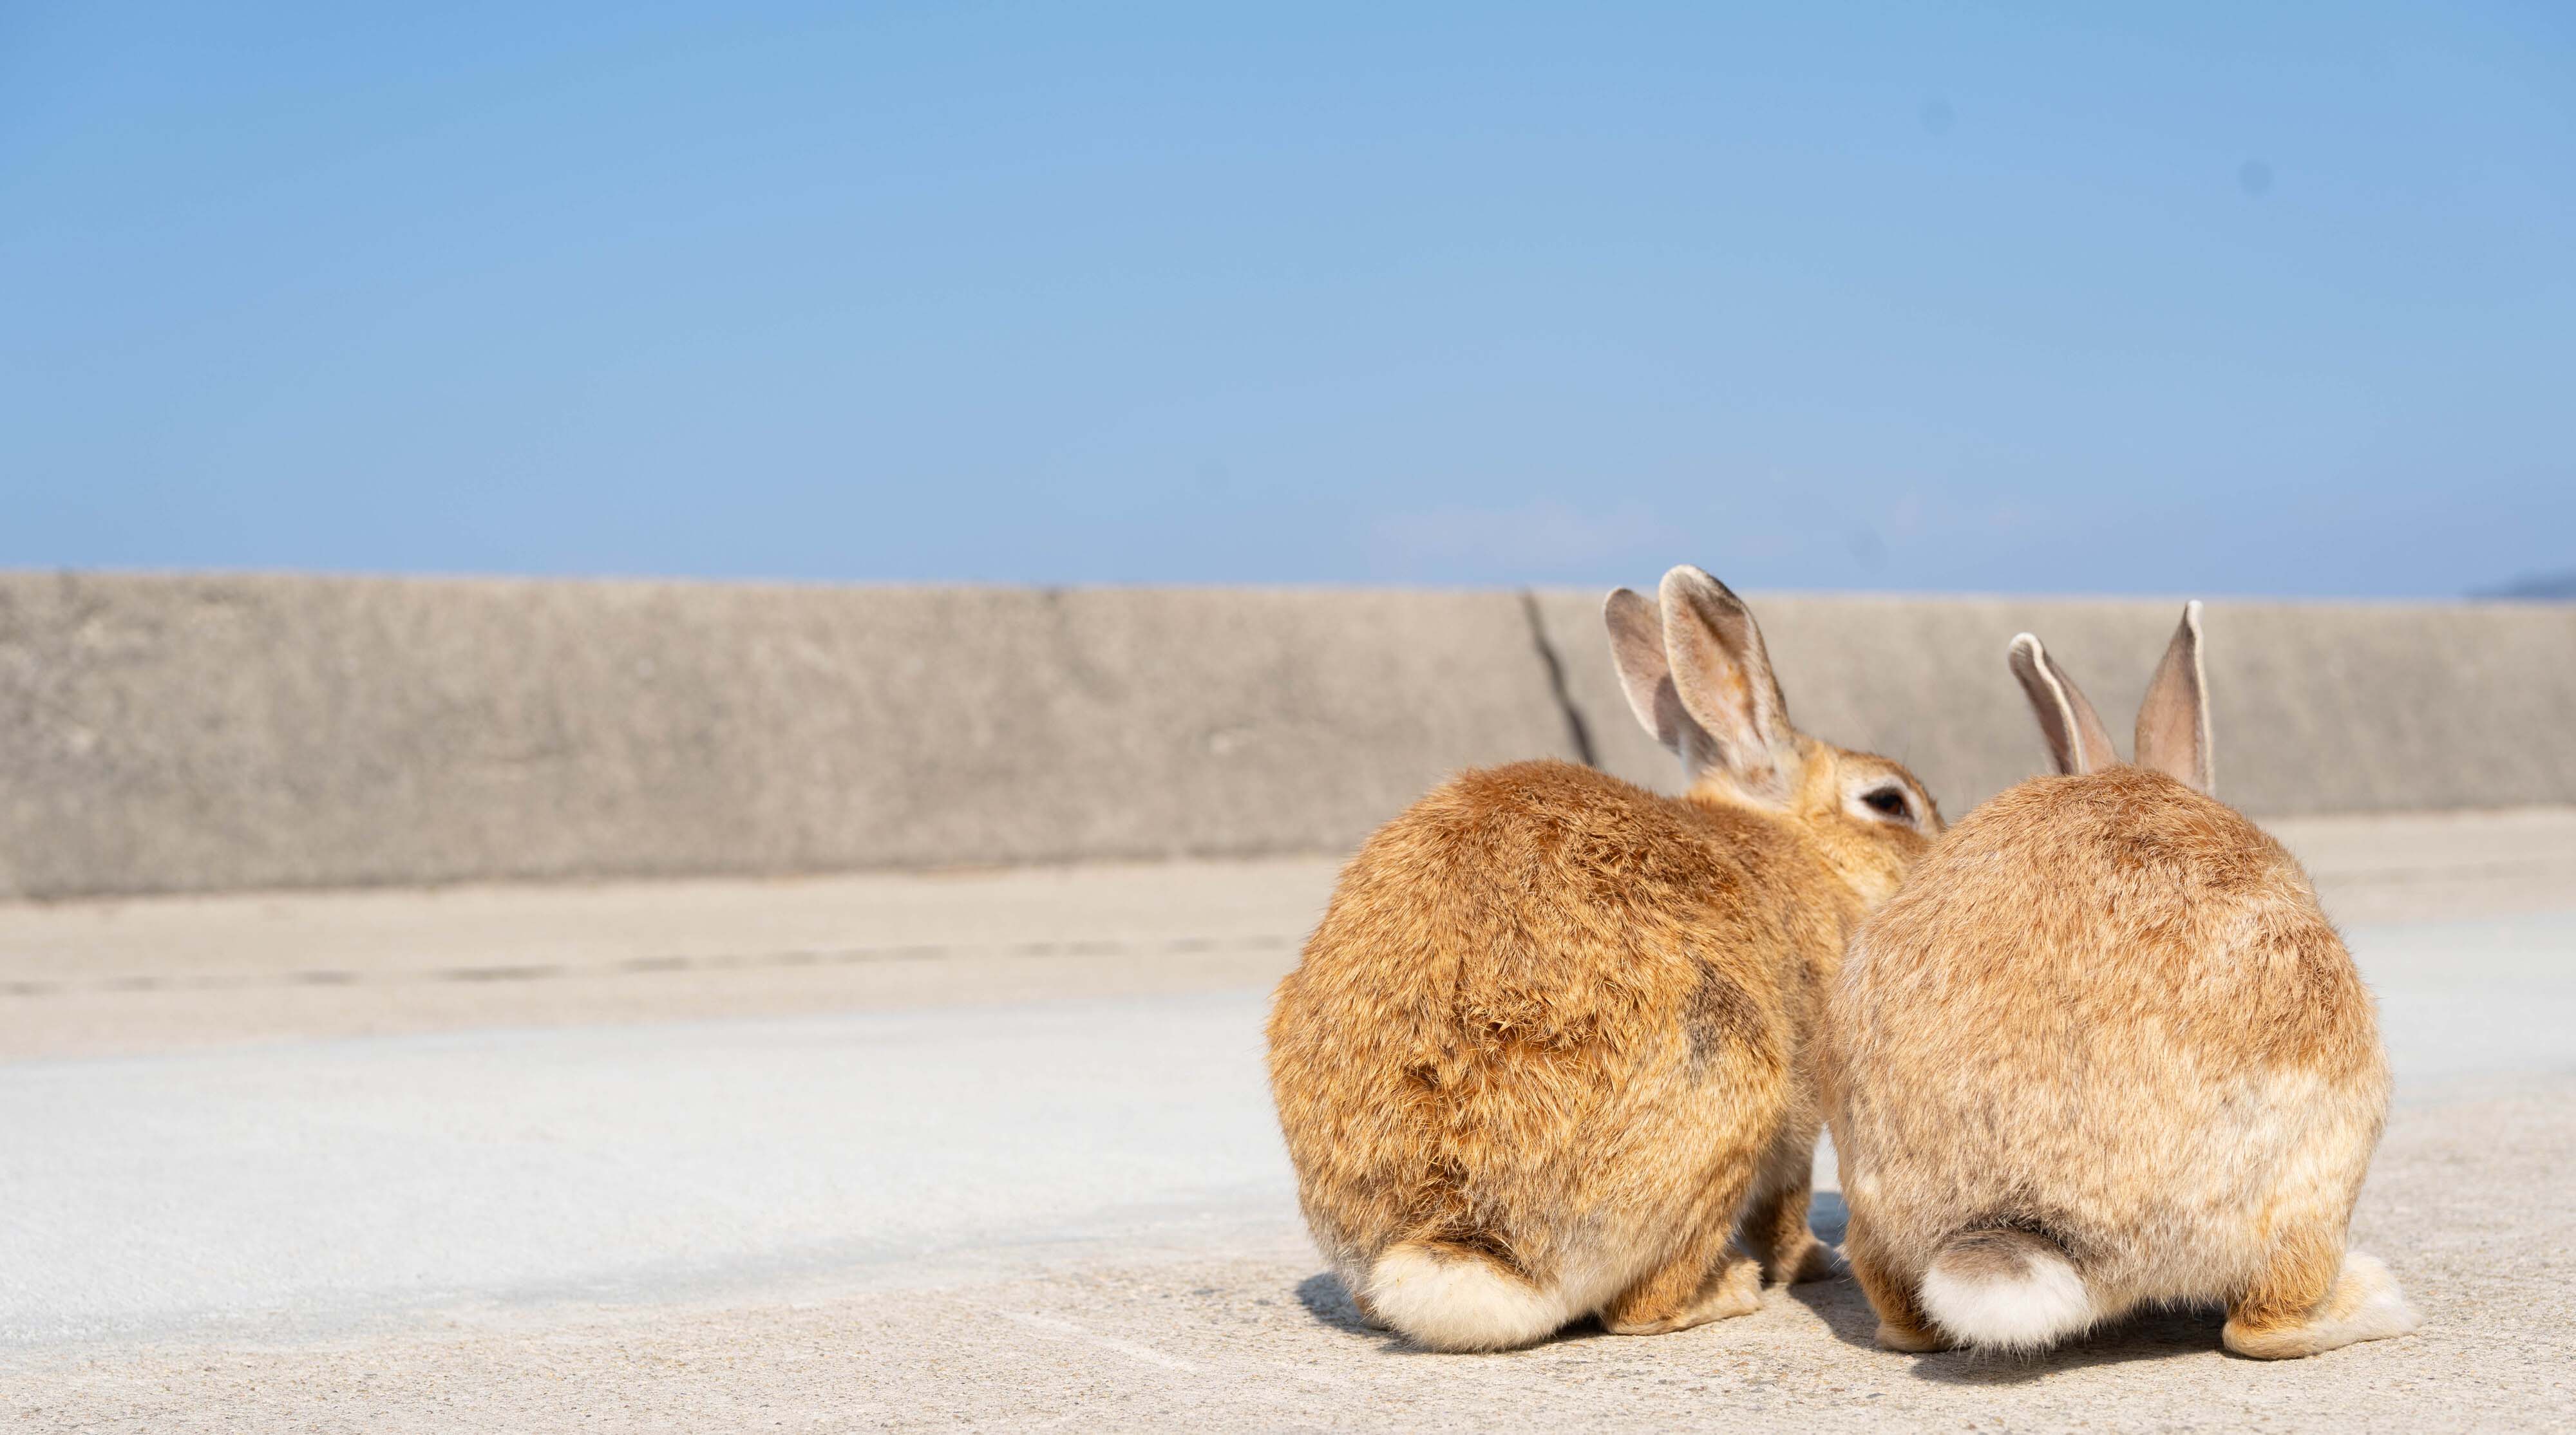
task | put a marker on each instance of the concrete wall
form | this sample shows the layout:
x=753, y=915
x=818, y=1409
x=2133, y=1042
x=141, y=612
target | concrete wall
x=2315, y=707
x=205, y=733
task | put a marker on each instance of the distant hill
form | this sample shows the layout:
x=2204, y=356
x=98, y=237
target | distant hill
x=2540, y=587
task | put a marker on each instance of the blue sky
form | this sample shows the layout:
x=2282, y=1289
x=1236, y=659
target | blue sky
x=2216, y=298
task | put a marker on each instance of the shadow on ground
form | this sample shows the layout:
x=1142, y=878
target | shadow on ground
x=1846, y=1313
x=1329, y=1301
x=2150, y=1335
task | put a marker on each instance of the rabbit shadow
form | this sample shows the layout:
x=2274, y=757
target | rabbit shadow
x=2147, y=1336
x=2158, y=1334
x=2164, y=1333
x=1329, y=1302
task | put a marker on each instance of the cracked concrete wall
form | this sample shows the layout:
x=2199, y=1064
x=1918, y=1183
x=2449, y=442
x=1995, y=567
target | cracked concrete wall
x=205, y=733
x=192, y=733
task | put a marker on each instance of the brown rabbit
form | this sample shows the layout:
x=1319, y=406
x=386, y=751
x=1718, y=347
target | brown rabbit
x=1551, y=1044
x=2104, y=1050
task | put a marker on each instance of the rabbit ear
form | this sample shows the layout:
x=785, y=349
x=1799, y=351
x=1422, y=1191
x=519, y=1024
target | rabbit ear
x=2173, y=723
x=1722, y=674
x=1646, y=675
x=2077, y=741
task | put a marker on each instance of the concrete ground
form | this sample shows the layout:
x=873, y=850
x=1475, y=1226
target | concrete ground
x=993, y=1149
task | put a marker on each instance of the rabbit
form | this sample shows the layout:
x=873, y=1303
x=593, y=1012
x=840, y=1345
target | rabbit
x=1550, y=1046
x=2103, y=1051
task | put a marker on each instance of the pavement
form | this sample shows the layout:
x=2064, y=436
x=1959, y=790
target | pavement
x=993, y=1150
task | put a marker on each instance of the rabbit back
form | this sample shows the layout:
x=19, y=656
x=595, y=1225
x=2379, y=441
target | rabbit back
x=1542, y=1007
x=2108, y=1010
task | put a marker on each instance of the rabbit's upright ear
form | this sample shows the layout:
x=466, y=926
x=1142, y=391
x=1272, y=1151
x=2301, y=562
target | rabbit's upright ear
x=2173, y=723
x=1722, y=674
x=2077, y=741
x=1646, y=676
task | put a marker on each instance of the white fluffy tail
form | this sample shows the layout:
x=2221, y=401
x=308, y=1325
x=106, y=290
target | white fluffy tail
x=2006, y=1290
x=1452, y=1298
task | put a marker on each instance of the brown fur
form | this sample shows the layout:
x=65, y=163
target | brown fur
x=1559, y=1024
x=2001, y=1252
x=2105, y=1020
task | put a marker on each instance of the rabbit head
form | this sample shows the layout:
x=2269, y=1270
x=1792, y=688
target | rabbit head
x=1698, y=678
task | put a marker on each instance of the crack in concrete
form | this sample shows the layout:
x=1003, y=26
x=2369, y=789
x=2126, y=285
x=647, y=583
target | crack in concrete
x=1577, y=731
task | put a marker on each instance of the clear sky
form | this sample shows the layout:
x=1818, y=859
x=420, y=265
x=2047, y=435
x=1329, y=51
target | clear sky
x=2219, y=298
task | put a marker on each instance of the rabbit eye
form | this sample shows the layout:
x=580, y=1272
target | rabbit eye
x=1889, y=801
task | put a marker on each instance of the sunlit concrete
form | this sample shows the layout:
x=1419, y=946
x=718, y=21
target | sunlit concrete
x=852, y=1202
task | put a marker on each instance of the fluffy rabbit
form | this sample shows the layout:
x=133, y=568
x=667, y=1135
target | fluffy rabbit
x=1551, y=1044
x=2103, y=1051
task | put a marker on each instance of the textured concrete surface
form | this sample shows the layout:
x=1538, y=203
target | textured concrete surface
x=159, y=973
x=944, y=1202
x=1070, y=1212
x=242, y=732
x=194, y=734
x=163, y=973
